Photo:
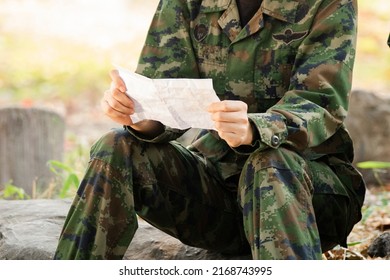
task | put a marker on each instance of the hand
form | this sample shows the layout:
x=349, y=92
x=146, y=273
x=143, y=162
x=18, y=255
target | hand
x=115, y=102
x=118, y=106
x=231, y=121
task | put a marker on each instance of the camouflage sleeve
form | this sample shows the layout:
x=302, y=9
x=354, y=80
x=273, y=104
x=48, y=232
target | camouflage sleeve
x=316, y=104
x=167, y=53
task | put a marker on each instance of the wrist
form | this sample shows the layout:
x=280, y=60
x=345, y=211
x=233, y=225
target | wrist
x=148, y=128
x=249, y=138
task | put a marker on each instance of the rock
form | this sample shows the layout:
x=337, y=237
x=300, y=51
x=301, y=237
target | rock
x=29, y=230
x=380, y=247
x=368, y=122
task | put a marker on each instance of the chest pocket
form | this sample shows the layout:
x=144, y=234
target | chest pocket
x=273, y=69
x=209, y=43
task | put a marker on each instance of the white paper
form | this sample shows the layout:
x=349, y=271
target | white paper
x=178, y=103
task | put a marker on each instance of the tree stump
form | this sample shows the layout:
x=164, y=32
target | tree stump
x=29, y=138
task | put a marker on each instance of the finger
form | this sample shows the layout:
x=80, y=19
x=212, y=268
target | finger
x=228, y=127
x=227, y=106
x=122, y=98
x=117, y=81
x=116, y=105
x=116, y=116
x=233, y=117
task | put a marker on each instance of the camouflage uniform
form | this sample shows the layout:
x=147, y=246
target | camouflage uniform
x=290, y=195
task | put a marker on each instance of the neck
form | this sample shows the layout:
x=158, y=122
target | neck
x=247, y=9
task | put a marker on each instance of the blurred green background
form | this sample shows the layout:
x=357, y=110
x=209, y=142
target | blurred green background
x=61, y=50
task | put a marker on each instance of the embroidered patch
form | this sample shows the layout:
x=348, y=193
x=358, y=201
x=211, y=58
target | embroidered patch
x=200, y=32
x=289, y=36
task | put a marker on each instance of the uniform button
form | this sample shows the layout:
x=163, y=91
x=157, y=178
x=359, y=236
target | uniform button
x=275, y=140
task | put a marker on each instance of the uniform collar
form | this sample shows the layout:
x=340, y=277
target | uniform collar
x=284, y=10
x=209, y=6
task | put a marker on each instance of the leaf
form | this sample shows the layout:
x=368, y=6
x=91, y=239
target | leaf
x=59, y=165
x=13, y=192
x=354, y=243
x=70, y=180
x=373, y=164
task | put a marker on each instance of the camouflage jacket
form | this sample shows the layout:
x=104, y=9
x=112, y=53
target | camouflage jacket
x=292, y=64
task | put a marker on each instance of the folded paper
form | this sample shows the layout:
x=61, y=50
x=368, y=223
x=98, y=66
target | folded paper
x=177, y=103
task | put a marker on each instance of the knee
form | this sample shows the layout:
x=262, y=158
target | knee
x=116, y=143
x=275, y=167
x=281, y=159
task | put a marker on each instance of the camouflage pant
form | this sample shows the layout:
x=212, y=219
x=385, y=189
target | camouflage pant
x=174, y=190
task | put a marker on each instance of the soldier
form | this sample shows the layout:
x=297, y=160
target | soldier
x=276, y=178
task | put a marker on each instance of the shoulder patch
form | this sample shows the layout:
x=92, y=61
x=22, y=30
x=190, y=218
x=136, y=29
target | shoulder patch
x=200, y=32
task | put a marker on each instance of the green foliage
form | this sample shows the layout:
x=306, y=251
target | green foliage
x=69, y=171
x=373, y=164
x=350, y=244
x=44, y=69
x=13, y=192
x=68, y=176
